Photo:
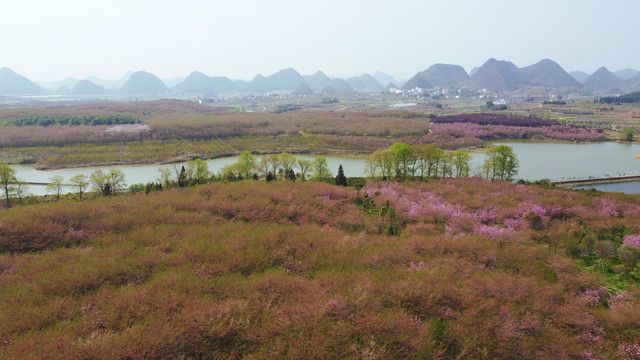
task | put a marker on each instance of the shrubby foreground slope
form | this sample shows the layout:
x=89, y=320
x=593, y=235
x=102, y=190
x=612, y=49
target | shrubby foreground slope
x=259, y=270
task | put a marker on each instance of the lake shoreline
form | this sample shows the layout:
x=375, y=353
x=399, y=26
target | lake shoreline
x=357, y=154
x=538, y=160
x=182, y=159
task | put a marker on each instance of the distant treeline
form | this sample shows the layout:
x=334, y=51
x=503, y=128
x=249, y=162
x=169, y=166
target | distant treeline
x=48, y=120
x=494, y=119
x=627, y=98
x=554, y=102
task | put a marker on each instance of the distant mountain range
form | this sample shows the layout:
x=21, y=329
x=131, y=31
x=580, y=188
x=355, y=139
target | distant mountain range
x=12, y=83
x=505, y=76
x=143, y=83
x=441, y=75
x=499, y=75
x=603, y=80
x=493, y=75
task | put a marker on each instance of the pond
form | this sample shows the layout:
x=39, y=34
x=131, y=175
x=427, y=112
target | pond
x=403, y=105
x=553, y=161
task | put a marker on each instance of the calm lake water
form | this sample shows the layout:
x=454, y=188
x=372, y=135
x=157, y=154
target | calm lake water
x=537, y=161
x=631, y=187
x=142, y=174
x=557, y=161
x=402, y=105
x=562, y=161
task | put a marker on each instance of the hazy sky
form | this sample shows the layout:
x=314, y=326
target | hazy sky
x=51, y=40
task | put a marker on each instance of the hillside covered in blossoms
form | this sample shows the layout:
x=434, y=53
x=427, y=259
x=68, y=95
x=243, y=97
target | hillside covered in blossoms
x=456, y=268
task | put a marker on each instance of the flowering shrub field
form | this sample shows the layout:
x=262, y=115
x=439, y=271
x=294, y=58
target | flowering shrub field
x=472, y=130
x=457, y=268
x=494, y=119
x=494, y=132
x=219, y=132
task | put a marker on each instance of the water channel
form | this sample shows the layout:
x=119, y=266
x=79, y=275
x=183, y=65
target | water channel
x=553, y=161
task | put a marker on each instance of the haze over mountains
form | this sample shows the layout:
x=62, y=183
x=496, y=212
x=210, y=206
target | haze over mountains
x=493, y=75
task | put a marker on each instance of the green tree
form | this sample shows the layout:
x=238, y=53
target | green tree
x=110, y=183
x=290, y=174
x=461, y=161
x=7, y=179
x=420, y=154
x=80, y=182
x=263, y=166
x=320, y=169
x=435, y=156
x=341, y=180
x=179, y=174
x=231, y=172
x=502, y=163
x=428, y=159
x=55, y=186
x=402, y=158
x=246, y=164
x=99, y=182
x=381, y=162
x=627, y=134
x=136, y=188
x=446, y=165
x=273, y=163
x=629, y=255
x=151, y=187
x=116, y=180
x=165, y=177
x=198, y=171
x=287, y=162
x=183, y=177
x=304, y=165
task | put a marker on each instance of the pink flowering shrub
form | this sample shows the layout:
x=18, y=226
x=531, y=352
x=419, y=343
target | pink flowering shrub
x=618, y=300
x=486, y=215
x=296, y=270
x=532, y=208
x=416, y=266
x=629, y=351
x=491, y=232
x=514, y=224
x=495, y=132
x=76, y=233
x=632, y=240
x=414, y=203
x=592, y=297
x=462, y=206
x=606, y=207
